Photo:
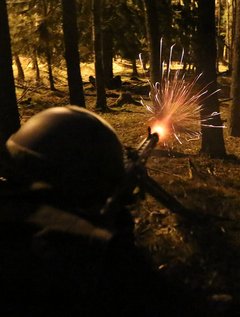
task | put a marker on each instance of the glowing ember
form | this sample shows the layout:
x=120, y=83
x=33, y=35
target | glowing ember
x=175, y=103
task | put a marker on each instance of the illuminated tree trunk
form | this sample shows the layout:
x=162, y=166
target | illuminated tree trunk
x=70, y=30
x=235, y=88
x=212, y=138
x=153, y=34
x=101, y=102
x=220, y=30
x=9, y=117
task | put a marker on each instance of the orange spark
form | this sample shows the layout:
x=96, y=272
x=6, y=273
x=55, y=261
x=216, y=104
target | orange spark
x=176, y=103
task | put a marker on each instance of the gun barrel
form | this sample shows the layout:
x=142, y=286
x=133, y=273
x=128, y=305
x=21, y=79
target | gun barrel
x=135, y=167
x=146, y=147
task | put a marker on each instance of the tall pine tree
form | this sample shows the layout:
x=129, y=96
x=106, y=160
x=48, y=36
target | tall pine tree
x=101, y=102
x=206, y=53
x=70, y=31
x=153, y=35
x=9, y=117
x=235, y=87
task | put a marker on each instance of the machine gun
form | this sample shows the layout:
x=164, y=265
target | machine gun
x=136, y=177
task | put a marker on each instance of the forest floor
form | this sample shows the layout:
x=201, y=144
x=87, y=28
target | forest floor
x=200, y=258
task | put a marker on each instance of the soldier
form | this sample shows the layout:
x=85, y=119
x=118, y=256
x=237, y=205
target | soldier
x=59, y=255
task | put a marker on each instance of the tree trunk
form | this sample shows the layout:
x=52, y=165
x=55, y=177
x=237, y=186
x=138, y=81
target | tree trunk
x=9, y=116
x=230, y=22
x=101, y=102
x=153, y=34
x=35, y=66
x=20, y=75
x=134, y=68
x=107, y=54
x=70, y=30
x=44, y=35
x=49, y=65
x=234, y=128
x=212, y=138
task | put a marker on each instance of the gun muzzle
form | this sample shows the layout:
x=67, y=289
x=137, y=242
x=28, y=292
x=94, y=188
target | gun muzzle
x=149, y=143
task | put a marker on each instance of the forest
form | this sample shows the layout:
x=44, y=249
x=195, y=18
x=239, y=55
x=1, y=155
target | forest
x=135, y=62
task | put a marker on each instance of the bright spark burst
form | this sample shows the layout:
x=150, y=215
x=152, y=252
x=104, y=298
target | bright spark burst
x=175, y=104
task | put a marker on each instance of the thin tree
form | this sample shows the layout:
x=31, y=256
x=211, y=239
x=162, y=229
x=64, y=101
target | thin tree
x=44, y=36
x=20, y=71
x=206, y=53
x=9, y=116
x=101, y=102
x=107, y=54
x=72, y=57
x=235, y=87
x=107, y=40
x=153, y=35
x=35, y=65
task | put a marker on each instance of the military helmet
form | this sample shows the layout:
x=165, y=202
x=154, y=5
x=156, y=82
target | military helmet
x=70, y=148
